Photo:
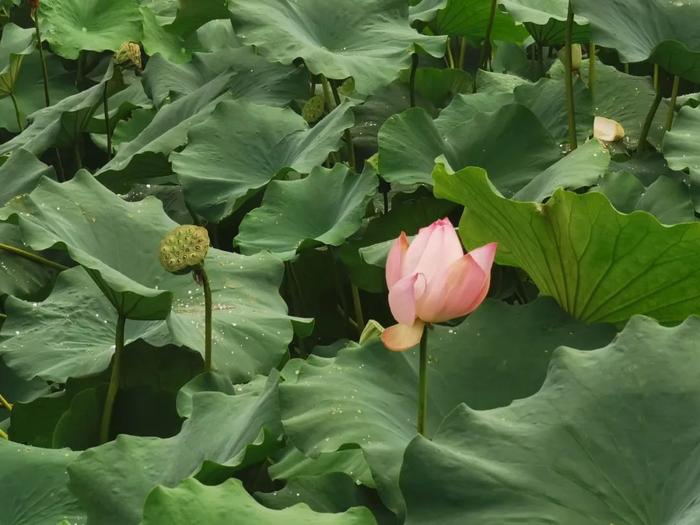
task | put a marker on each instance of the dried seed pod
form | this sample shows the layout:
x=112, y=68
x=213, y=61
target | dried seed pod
x=184, y=249
x=129, y=54
x=313, y=109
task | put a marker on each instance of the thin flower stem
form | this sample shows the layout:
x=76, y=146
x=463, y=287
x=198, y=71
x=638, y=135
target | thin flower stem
x=423, y=383
x=113, y=388
x=4, y=435
x=485, y=56
x=569, y=80
x=412, y=80
x=656, y=77
x=649, y=121
x=674, y=98
x=626, y=67
x=357, y=304
x=42, y=58
x=450, y=56
x=32, y=257
x=207, y=319
x=105, y=103
x=592, y=68
x=6, y=404
x=18, y=113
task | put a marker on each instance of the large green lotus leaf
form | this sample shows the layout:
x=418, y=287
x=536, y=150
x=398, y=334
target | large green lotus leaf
x=251, y=327
x=71, y=26
x=191, y=502
x=57, y=125
x=661, y=30
x=369, y=394
x=599, y=264
x=257, y=80
x=146, y=156
x=538, y=12
x=29, y=88
x=681, y=145
x=192, y=14
x=112, y=481
x=579, y=169
x=243, y=146
x=15, y=44
x=466, y=107
x=34, y=486
x=424, y=10
x=19, y=276
x=668, y=198
x=115, y=240
x=369, y=40
x=510, y=143
x=606, y=440
x=20, y=174
x=470, y=19
x=294, y=464
x=324, y=208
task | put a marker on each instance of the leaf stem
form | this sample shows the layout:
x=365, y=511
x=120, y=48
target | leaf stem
x=105, y=104
x=348, y=136
x=4, y=435
x=485, y=56
x=450, y=56
x=339, y=288
x=592, y=68
x=32, y=257
x=207, y=318
x=326, y=93
x=6, y=404
x=462, y=52
x=18, y=113
x=412, y=79
x=42, y=58
x=357, y=304
x=569, y=79
x=423, y=382
x=114, y=379
x=649, y=121
x=674, y=98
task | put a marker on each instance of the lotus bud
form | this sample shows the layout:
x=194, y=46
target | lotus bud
x=183, y=249
x=607, y=130
x=576, y=56
x=313, y=109
x=129, y=53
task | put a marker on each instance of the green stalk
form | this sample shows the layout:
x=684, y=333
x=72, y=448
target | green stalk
x=627, y=68
x=412, y=80
x=540, y=57
x=485, y=57
x=357, y=304
x=450, y=56
x=656, y=77
x=674, y=98
x=207, y=318
x=423, y=383
x=76, y=153
x=592, y=69
x=462, y=52
x=347, y=135
x=649, y=121
x=4, y=435
x=44, y=69
x=326, y=93
x=339, y=289
x=105, y=103
x=569, y=80
x=18, y=113
x=113, y=387
x=32, y=257
x=4, y=403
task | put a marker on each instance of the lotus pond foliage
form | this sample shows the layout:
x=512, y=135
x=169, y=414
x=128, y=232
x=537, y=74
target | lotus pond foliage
x=363, y=262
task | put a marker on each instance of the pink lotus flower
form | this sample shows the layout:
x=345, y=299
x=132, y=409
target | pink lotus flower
x=432, y=280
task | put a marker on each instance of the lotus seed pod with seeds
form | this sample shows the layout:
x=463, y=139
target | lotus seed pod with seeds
x=184, y=248
x=129, y=53
x=313, y=109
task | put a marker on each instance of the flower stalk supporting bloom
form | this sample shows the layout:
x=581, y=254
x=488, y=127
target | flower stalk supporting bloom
x=432, y=280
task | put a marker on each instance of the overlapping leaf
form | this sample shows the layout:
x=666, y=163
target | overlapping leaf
x=369, y=40
x=243, y=146
x=600, y=265
x=606, y=440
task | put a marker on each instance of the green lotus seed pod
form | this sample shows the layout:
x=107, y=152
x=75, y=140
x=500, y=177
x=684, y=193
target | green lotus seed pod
x=184, y=248
x=313, y=109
